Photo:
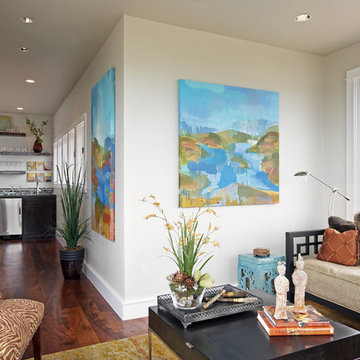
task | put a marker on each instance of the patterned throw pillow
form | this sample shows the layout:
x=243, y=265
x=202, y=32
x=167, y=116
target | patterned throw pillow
x=340, y=248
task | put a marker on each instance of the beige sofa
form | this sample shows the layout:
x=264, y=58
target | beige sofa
x=334, y=285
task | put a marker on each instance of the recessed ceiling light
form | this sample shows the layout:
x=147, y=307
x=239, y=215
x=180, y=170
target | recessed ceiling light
x=24, y=49
x=26, y=20
x=20, y=108
x=303, y=17
x=30, y=81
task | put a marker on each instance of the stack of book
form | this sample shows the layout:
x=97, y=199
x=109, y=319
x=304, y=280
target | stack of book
x=311, y=323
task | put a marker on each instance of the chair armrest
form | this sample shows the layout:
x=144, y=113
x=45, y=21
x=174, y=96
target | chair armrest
x=300, y=242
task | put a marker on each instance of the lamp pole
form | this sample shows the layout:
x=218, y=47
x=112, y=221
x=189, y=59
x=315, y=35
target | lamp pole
x=334, y=191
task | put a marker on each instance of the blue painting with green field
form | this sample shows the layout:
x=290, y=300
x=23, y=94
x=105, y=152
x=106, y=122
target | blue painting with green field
x=228, y=145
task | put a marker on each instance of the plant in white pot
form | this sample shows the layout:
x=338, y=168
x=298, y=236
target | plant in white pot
x=74, y=228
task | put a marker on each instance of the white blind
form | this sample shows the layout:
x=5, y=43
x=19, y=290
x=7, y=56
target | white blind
x=71, y=147
x=80, y=148
x=59, y=156
x=65, y=149
x=352, y=141
x=55, y=162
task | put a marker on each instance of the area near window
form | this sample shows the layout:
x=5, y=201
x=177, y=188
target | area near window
x=352, y=140
x=71, y=149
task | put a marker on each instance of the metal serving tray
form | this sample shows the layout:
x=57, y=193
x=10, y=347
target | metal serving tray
x=218, y=309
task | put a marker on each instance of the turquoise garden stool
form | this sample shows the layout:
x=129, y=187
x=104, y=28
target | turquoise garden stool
x=258, y=272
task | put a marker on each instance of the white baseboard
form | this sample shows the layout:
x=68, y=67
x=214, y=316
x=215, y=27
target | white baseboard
x=126, y=310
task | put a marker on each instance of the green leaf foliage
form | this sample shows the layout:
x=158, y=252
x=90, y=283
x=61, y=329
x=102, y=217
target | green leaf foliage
x=38, y=131
x=74, y=228
x=187, y=243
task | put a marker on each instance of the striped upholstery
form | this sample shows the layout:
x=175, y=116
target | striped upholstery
x=19, y=320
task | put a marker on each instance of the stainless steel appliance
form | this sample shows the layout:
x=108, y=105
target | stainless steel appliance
x=10, y=216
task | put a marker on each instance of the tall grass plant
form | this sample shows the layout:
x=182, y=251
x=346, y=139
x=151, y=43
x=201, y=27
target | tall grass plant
x=74, y=229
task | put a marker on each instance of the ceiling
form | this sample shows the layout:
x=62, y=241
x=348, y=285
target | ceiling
x=67, y=34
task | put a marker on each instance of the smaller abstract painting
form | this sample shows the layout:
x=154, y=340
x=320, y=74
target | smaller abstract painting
x=103, y=156
x=47, y=165
x=48, y=177
x=40, y=165
x=31, y=165
x=4, y=122
x=40, y=177
x=30, y=177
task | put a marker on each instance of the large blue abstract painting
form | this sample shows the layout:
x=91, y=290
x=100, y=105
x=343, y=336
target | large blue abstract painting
x=228, y=145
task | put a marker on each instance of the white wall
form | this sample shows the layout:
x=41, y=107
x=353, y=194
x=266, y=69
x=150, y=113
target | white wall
x=104, y=259
x=156, y=56
x=18, y=121
x=152, y=57
x=336, y=65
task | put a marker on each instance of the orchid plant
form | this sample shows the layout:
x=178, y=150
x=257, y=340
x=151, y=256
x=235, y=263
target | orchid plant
x=38, y=131
x=186, y=244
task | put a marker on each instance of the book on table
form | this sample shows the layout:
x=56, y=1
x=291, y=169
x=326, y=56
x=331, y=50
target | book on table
x=290, y=331
x=312, y=318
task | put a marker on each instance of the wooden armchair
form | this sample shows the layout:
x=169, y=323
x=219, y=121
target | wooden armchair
x=313, y=240
x=19, y=324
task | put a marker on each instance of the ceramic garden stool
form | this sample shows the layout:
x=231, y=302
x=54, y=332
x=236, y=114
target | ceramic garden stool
x=258, y=272
x=19, y=324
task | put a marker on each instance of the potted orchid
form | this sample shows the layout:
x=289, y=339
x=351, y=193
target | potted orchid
x=38, y=131
x=186, y=247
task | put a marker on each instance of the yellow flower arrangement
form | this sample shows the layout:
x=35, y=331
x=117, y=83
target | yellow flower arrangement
x=186, y=243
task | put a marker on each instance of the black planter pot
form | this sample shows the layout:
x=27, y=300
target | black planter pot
x=71, y=262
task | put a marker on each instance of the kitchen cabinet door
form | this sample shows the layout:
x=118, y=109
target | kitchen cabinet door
x=39, y=216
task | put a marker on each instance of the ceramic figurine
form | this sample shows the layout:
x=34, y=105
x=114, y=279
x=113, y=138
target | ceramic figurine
x=281, y=288
x=299, y=278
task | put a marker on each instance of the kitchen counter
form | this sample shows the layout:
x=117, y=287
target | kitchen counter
x=38, y=212
x=11, y=192
x=25, y=195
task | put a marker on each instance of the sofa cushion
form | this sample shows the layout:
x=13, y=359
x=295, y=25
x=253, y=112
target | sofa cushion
x=346, y=273
x=19, y=319
x=336, y=283
x=340, y=248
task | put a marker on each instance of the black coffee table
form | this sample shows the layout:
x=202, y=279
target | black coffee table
x=241, y=337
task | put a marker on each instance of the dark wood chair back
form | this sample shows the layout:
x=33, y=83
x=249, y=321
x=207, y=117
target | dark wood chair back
x=300, y=242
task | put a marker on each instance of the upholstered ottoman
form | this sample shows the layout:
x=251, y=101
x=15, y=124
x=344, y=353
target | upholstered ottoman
x=19, y=323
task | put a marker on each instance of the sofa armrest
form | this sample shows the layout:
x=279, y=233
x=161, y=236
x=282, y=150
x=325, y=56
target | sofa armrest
x=303, y=242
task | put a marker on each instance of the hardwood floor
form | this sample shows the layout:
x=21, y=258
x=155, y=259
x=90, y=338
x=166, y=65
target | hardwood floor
x=75, y=313
x=336, y=315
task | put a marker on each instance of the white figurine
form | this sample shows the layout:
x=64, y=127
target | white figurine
x=281, y=287
x=299, y=278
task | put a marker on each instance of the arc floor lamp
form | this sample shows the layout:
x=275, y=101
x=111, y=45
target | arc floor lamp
x=334, y=191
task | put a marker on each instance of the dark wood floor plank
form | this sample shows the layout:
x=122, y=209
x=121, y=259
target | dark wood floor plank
x=75, y=312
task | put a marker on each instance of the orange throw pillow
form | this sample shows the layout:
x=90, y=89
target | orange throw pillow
x=340, y=248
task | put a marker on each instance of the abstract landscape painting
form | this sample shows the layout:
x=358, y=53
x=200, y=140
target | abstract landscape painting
x=228, y=145
x=102, y=155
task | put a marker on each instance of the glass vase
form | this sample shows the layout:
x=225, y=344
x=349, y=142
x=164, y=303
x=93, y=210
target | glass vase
x=37, y=147
x=184, y=298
